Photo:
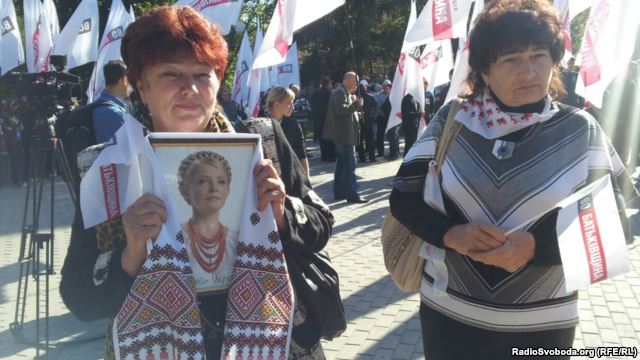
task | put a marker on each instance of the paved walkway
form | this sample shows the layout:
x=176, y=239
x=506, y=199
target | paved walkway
x=383, y=322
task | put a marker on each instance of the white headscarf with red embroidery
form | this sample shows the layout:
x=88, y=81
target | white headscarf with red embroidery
x=483, y=116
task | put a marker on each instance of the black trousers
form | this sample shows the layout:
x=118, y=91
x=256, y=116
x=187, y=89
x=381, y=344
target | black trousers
x=410, y=129
x=16, y=160
x=444, y=339
x=380, y=135
x=361, y=146
x=369, y=136
x=327, y=150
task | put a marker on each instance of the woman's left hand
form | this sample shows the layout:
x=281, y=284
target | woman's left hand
x=518, y=250
x=270, y=190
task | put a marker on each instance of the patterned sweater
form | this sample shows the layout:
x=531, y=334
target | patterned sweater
x=550, y=161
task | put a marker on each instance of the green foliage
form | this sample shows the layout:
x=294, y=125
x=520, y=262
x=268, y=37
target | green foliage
x=253, y=11
x=363, y=35
x=578, y=25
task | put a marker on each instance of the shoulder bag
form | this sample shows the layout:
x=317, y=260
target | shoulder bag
x=401, y=249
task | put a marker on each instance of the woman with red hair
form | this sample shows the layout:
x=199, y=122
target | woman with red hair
x=176, y=59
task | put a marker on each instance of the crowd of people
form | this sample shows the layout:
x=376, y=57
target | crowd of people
x=508, y=289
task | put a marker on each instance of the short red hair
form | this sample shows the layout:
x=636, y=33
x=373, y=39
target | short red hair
x=167, y=30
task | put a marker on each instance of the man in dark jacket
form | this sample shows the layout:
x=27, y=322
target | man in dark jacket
x=411, y=114
x=231, y=109
x=367, y=121
x=441, y=92
x=569, y=78
x=382, y=115
x=341, y=127
x=429, y=103
x=319, y=104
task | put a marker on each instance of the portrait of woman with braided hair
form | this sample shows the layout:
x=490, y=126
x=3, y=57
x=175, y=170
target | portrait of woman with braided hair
x=204, y=181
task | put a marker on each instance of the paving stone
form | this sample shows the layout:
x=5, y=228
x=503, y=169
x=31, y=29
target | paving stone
x=330, y=354
x=604, y=323
x=621, y=318
x=588, y=327
x=357, y=338
x=625, y=331
x=390, y=342
x=598, y=300
x=609, y=335
x=616, y=307
x=411, y=337
x=601, y=311
x=383, y=354
x=592, y=340
x=404, y=351
x=378, y=333
x=385, y=320
x=348, y=352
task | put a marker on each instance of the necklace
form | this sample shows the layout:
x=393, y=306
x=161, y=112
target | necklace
x=208, y=251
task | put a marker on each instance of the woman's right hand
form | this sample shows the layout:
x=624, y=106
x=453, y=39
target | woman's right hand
x=142, y=220
x=476, y=236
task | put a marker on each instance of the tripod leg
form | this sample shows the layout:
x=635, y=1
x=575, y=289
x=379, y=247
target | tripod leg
x=42, y=162
x=65, y=169
x=23, y=259
x=52, y=211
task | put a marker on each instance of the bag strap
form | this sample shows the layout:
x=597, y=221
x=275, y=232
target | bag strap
x=451, y=129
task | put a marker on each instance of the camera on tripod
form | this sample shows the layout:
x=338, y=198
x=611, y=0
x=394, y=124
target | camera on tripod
x=42, y=95
x=38, y=100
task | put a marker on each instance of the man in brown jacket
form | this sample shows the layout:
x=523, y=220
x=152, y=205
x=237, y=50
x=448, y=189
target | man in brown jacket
x=341, y=127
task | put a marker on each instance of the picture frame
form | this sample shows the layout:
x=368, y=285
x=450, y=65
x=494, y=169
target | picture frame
x=207, y=176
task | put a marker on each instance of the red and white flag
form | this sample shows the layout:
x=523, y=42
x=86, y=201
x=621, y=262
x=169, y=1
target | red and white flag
x=240, y=91
x=567, y=10
x=254, y=79
x=288, y=17
x=607, y=46
x=11, y=51
x=440, y=20
x=273, y=75
x=46, y=39
x=436, y=62
x=562, y=6
x=289, y=71
x=265, y=79
x=223, y=13
x=590, y=236
x=79, y=37
x=52, y=18
x=32, y=21
x=118, y=21
x=408, y=76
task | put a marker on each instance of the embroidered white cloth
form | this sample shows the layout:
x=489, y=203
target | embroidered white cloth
x=159, y=318
x=483, y=116
x=260, y=303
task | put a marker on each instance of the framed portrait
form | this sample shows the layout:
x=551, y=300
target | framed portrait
x=207, y=175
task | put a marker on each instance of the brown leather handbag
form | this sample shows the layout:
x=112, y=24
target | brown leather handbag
x=401, y=249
